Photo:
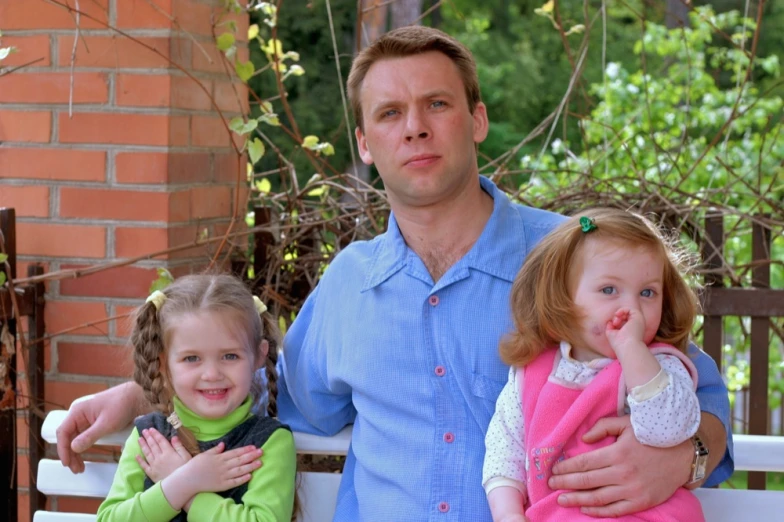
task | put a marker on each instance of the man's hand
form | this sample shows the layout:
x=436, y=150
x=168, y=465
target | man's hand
x=88, y=421
x=624, y=477
x=161, y=457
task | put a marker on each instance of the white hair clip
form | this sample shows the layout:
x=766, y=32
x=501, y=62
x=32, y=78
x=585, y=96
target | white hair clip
x=174, y=420
x=260, y=306
x=157, y=298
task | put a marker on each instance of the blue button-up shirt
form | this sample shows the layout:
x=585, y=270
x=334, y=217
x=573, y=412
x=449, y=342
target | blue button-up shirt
x=414, y=365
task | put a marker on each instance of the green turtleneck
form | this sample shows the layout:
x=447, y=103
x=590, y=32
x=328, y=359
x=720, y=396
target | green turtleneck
x=270, y=493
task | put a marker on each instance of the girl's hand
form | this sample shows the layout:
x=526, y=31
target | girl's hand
x=626, y=328
x=161, y=458
x=215, y=471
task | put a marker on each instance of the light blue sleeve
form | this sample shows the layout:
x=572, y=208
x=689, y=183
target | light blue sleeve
x=307, y=401
x=714, y=399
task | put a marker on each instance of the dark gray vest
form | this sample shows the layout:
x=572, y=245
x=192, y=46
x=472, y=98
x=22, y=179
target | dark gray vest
x=254, y=431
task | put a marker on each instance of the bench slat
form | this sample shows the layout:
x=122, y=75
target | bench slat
x=55, y=479
x=305, y=442
x=740, y=504
x=49, y=516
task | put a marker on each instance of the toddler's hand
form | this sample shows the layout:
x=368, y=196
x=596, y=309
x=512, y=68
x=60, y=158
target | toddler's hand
x=625, y=328
x=215, y=471
x=161, y=457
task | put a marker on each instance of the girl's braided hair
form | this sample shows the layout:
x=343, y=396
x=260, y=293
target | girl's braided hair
x=215, y=293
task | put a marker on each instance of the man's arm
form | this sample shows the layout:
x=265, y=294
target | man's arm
x=619, y=479
x=307, y=400
x=87, y=421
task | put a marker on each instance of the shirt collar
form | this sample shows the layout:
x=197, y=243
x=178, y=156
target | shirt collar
x=210, y=429
x=594, y=364
x=498, y=251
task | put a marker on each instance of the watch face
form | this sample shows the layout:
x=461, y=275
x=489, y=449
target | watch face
x=702, y=462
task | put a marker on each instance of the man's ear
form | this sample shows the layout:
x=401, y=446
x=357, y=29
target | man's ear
x=364, y=152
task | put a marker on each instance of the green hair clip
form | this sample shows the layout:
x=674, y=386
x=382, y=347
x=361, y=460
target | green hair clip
x=587, y=224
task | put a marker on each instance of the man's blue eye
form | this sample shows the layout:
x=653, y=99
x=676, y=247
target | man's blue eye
x=608, y=290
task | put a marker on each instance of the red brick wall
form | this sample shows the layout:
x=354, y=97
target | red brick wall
x=142, y=164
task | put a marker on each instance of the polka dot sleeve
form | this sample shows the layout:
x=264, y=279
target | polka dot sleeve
x=504, y=463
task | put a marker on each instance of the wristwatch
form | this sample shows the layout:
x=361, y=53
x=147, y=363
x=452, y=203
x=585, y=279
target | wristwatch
x=700, y=461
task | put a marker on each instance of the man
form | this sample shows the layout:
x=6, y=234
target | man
x=400, y=336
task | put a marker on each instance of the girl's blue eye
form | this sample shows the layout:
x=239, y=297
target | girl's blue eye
x=608, y=290
x=647, y=293
x=191, y=358
x=231, y=356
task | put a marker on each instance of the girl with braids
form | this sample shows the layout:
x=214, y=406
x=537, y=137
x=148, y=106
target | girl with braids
x=197, y=346
x=602, y=320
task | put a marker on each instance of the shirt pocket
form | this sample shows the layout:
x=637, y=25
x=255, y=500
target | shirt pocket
x=487, y=390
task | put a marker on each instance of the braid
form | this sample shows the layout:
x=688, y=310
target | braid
x=272, y=336
x=148, y=352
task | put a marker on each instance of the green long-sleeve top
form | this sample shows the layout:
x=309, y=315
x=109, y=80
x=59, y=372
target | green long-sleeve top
x=269, y=497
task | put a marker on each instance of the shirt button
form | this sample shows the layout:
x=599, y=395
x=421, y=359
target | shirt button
x=440, y=371
x=443, y=507
x=433, y=300
x=449, y=437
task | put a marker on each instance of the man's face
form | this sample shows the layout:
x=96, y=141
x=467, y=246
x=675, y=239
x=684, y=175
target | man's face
x=418, y=130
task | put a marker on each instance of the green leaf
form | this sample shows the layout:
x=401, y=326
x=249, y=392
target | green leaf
x=244, y=70
x=225, y=41
x=255, y=150
x=318, y=191
x=253, y=31
x=310, y=142
x=264, y=186
x=2, y=278
x=164, y=279
x=242, y=127
x=3, y=258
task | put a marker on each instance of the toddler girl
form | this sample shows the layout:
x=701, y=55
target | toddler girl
x=602, y=319
x=196, y=348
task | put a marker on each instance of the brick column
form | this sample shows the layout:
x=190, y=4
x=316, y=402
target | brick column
x=142, y=164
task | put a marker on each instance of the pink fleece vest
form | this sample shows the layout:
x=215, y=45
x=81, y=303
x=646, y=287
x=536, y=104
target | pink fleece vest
x=557, y=415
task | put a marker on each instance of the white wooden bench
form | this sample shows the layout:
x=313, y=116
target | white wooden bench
x=318, y=491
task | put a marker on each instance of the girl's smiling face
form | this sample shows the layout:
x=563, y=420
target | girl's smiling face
x=209, y=367
x=609, y=276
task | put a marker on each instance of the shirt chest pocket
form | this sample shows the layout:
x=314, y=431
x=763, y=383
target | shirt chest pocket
x=486, y=390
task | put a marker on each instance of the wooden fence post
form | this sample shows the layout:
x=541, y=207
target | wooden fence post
x=8, y=468
x=35, y=380
x=760, y=356
x=713, y=259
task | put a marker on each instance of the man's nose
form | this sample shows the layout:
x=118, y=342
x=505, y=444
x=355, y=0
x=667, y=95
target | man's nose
x=416, y=126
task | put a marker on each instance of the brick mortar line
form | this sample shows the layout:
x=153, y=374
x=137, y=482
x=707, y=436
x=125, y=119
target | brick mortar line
x=123, y=223
x=145, y=71
x=94, y=107
x=160, y=33
x=132, y=187
x=106, y=147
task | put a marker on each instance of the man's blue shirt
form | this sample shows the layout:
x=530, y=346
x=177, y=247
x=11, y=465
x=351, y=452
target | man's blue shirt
x=415, y=366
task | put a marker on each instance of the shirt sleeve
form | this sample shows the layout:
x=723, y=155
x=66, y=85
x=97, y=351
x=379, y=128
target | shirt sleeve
x=670, y=413
x=504, y=463
x=270, y=494
x=307, y=400
x=128, y=501
x=714, y=399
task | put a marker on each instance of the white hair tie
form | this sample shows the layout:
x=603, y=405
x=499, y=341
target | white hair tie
x=174, y=420
x=157, y=298
x=260, y=306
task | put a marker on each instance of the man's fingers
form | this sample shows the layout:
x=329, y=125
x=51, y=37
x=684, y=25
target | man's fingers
x=582, y=481
x=606, y=427
x=614, y=510
x=596, y=497
x=583, y=463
